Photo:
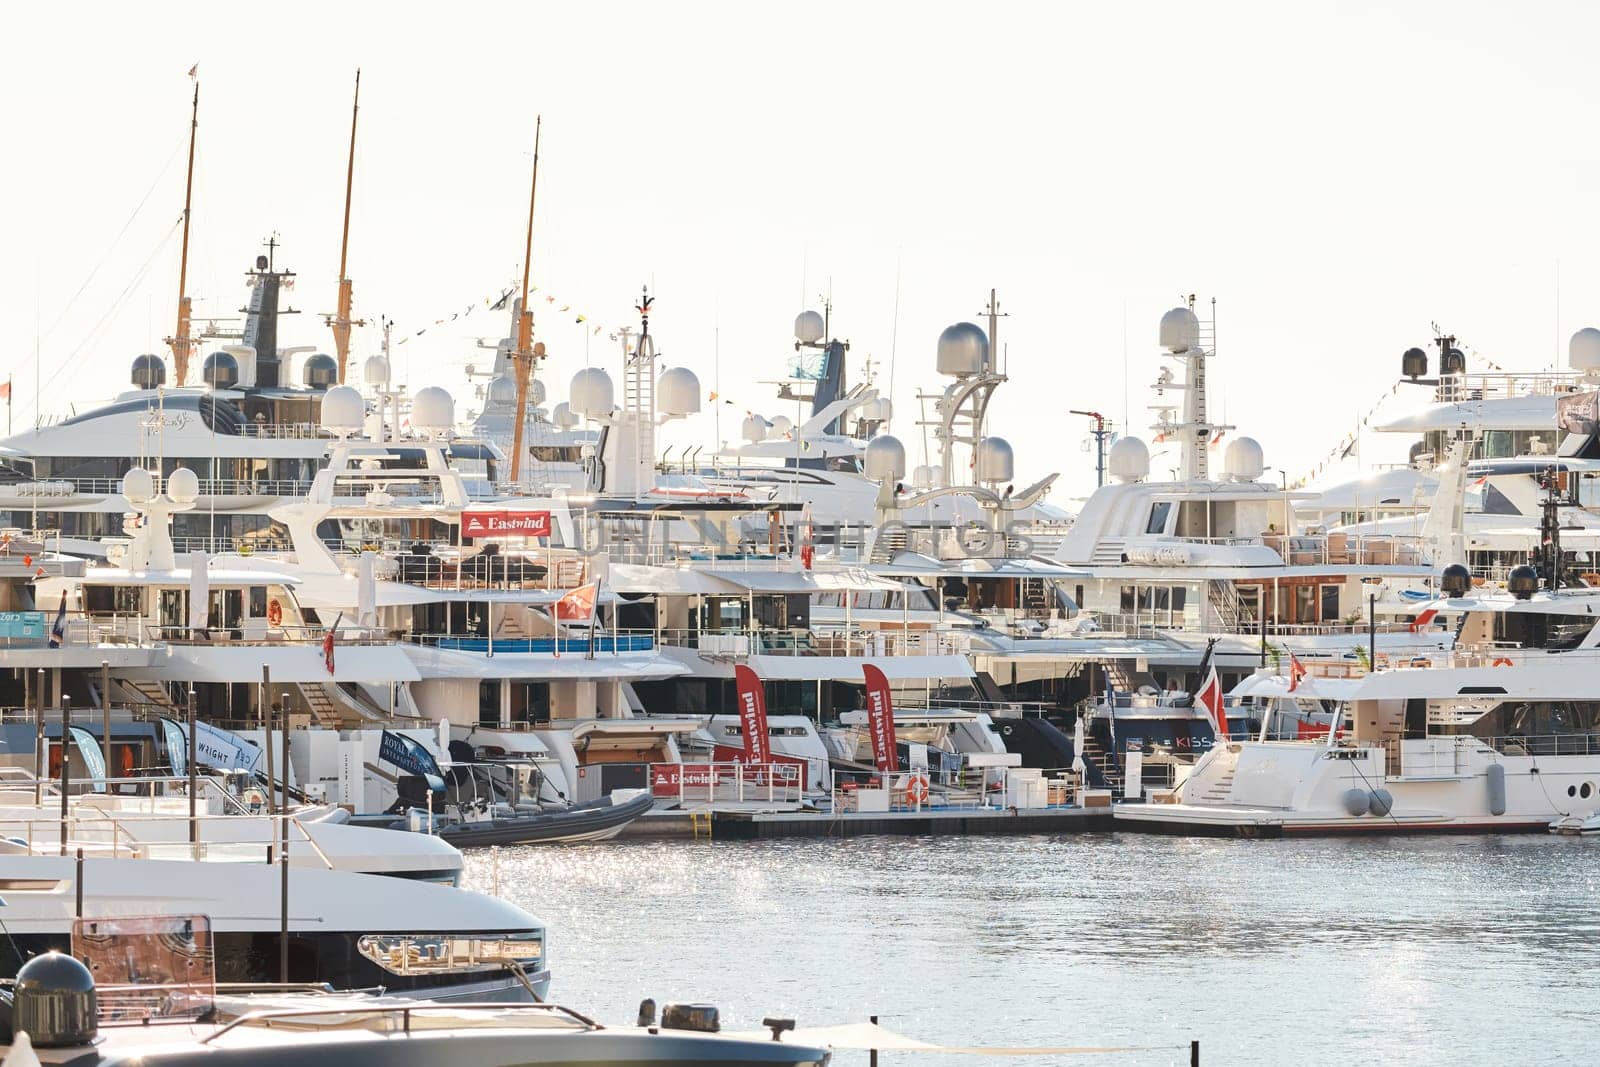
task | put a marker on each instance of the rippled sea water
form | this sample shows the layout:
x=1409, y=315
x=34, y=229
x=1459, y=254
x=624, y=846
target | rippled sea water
x=1426, y=950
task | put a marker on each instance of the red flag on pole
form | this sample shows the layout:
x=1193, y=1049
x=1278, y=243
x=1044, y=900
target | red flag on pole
x=880, y=721
x=1210, y=698
x=327, y=644
x=752, y=715
x=1297, y=671
x=808, y=549
x=578, y=605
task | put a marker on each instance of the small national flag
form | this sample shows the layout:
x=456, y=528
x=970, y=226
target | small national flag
x=327, y=643
x=1297, y=671
x=578, y=605
x=807, y=538
x=58, y=632
x=5, y=391
x=194, y=71
x=1210, y=698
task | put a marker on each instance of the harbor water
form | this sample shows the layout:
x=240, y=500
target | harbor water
x=1425, y=950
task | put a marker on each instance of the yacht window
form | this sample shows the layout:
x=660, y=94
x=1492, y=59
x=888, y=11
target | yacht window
x=1496, y=503
x=1530, y=629
x=1180, y=597
x=258, y=601
x=1160, y=511
x=1330, y=603
x=1497, y=444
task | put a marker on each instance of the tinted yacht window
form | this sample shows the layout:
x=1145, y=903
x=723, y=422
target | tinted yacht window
x=1528, y=629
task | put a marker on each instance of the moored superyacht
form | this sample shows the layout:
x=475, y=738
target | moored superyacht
x=1501, y=733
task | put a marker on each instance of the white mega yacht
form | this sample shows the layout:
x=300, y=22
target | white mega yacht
x=1500, y=733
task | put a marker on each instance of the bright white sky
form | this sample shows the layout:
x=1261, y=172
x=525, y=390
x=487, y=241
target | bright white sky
x=1337, y=175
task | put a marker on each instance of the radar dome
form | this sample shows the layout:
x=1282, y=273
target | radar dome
x=1522, y=582
x=183, y=486
x=591, y=392
x=1129, y=460
x=963, y=350
x=138, y=485
x=433, y=409
x=754, y=428
x=1414, y=363
x=925, y=477
x=1180, y=330
x=342, y=410
x=995, y=462
x=502, y=390
x=808, y=327
x=321, y=371
x=878, y=410
x=678, y=391
x=535, y=392
x=149, y=372
x=563, y=417
x=1583, y=351
x=780, y=428
x=1242, y=461
x=1456, y=581
x=884, y=459
x=375, y=371
x=221, y=371
x=54, y=1003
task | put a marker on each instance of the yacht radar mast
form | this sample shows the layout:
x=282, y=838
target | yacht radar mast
x=1183, y=337
x=341, y=320
x=525, y=352
x=181, y=342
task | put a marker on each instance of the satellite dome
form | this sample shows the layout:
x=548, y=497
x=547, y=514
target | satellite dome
x=55, y=1003
x=925, y=477
x=343, y=410
x=592, y=393
x=880, y=409
x=884, y=459
x=375, y=371
x=808, y=327
x=535, y=392
x=183, y=486
x=1242, y=460
x=1414, y=363
x=221, y=371
x=1583, y=351
x=779, y=428
x=1180, y=330
x=503, y=390
x=138, y=485
x=963, y=350
x=995, y=461
x=321, y=371
x=563, y=417
x=1129, y=460
x=149, y=372
x=754, y=428
x=1522, y=582
x=433, y=409
x=1452, y=361
x=678, y=391
x=1455, y=581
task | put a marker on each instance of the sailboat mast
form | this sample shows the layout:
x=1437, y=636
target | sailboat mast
x=524, y=353
x=180, y=339
x=342, y=322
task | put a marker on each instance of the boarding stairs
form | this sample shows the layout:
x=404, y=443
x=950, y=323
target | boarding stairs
x=1105, y=762
x=146, y=692
x=888, y=544
x=1230, y=608
x=1035, y=598
x=1219, y=791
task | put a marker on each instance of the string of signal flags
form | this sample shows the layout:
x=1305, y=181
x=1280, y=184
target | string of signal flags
x=502, y=301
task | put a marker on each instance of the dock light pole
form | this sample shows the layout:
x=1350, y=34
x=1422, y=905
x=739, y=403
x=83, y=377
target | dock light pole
x=39, y=760
x=66, y=766
x=194, y=755
x=283, y=856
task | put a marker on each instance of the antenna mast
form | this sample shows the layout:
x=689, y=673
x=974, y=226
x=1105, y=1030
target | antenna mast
x=341, y=322
x=180, y=340
x=523, y=357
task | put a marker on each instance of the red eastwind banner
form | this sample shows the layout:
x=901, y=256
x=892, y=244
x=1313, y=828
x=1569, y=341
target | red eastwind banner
x=752, y=715
x=880, y=721
x=505, y=524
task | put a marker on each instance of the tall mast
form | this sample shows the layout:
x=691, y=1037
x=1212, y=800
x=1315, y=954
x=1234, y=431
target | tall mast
x=341, y=322
x=180, y=340
x=523, y=357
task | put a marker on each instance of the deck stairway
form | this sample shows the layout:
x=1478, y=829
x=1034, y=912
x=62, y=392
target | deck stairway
x=1220, y=791
x=1231, y=610
x=146, y=692
x=1035, y=598
x=1095, y=753
x=888, y=544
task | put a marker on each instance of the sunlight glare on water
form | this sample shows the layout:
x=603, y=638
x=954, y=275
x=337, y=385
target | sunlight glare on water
x=1415, y=950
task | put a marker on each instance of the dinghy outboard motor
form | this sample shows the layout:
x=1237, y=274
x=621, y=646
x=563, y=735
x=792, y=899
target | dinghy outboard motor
x=55, y=1002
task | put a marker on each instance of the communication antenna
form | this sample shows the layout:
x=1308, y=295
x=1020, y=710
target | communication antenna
x=523, y=357
x=341, y=321
x=180, y=341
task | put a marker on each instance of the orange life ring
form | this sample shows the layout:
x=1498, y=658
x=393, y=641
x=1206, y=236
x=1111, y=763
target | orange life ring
x=917, y=789
x=1501, y=662
x=274, y=612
